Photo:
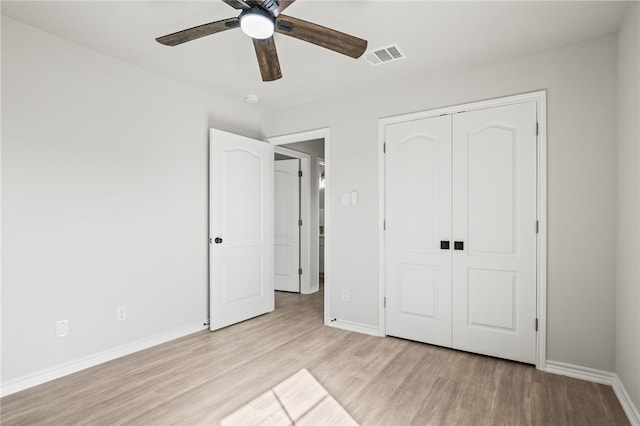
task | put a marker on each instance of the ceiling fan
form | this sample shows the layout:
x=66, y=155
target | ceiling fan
x=259, y=19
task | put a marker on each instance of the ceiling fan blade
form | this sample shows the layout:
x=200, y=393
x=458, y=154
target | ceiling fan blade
x=267, y=59
x=321, y=36
x=237, y=4
x=199, y=31
x=283, y=4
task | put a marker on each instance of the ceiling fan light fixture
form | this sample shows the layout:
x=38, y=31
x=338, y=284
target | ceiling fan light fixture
x=257, y=23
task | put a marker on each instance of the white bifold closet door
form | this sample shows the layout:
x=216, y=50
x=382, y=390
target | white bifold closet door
x=470, y=282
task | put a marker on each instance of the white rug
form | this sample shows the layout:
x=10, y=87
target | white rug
x=298, y=400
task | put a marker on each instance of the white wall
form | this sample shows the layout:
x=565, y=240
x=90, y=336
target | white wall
x=628, y=245
x=581, y=84
x=104, y=200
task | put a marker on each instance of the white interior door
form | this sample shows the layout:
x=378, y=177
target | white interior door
x=418, y=218
x=287, y=228
x=240, y=227
x=494, y=205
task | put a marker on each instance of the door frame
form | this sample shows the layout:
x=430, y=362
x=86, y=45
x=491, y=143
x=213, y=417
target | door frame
x=540, y=98
x=323, y=133
x=305, y=207
x=319, y=161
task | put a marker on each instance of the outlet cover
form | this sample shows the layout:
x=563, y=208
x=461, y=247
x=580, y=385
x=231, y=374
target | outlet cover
x=345, y=295
x=121, y=313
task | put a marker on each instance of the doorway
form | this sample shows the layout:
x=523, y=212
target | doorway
x=292, y=221
x=315, y=145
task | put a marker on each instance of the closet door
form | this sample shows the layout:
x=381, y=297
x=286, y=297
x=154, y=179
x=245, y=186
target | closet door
x=418, y=218
x=494, y=226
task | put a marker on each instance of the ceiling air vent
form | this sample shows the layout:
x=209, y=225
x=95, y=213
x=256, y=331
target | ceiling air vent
x=384, y=54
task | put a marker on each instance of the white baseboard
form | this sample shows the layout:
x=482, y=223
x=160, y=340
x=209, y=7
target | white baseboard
x=354, y=326
x=578, y=372
x=625, y=400
x=598, y=376
x=48, y=374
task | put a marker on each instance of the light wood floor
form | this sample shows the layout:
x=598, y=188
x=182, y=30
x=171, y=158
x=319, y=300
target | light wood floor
x=202, y=378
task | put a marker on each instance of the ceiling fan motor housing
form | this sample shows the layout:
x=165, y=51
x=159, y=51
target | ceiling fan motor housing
x=271, y=6
x=257, y=22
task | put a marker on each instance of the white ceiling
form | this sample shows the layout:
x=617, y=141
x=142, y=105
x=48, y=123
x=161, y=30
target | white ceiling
x=433, y=35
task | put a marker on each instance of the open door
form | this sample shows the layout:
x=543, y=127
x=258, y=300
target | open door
x=287, y=225
x=240, y=228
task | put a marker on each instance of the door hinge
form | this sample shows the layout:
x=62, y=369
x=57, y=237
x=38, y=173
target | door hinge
x=210, y=240
x=384, y=148
x=537, y=128
x=299, y=271
x=536, y=324
x=384, y=224
x=299, y=222
x=300, y=173
x=537, y=226
x=384, y=302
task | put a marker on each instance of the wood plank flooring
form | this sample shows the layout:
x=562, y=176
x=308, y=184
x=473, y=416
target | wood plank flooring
x=202, y=378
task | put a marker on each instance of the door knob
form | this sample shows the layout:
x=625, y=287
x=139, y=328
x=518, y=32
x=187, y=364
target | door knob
x=458, y=245
x=218, y=240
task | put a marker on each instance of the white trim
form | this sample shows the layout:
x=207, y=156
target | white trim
x=541, y=294
x=625, y=400
x=319, y=163
x=598, y=376
x=48, y=374
x=382, y=202
x=579, y=372
x=301, y=137
x=356, y=327
x=488, y=103
x=540, y=97
x=325, y=134
x=305, y=204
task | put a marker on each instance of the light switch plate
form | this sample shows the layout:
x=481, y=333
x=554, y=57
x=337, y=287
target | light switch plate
x=62, y=328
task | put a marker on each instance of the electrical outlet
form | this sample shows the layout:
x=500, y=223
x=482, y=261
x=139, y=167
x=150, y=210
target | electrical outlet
x=345, y=295
x=62, y=328
x=121, y=313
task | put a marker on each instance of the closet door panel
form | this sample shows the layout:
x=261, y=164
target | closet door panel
x=494, y=217
x=418, y=217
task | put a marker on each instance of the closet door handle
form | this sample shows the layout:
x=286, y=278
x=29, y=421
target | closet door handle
x=444, y=245
x=458, y=245
x=218, y=240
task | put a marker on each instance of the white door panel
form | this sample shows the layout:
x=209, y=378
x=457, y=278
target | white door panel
x=241, y=228
x=494, y=205
x=287, y=232
x=418, y=217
